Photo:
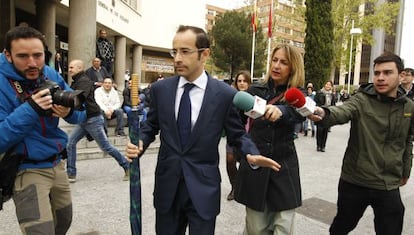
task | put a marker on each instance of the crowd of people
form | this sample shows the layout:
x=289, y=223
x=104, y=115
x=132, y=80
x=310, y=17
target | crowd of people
x=261, y=159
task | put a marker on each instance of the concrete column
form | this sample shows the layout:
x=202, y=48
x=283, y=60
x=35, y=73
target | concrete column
x=398, y=34
x=358, y=50
x=342, y=74
x=137, y=62
x=8, y=17
x=82, y=30
x=120, y=63
x=378, y=47
x=46, y=22
x=357, y=68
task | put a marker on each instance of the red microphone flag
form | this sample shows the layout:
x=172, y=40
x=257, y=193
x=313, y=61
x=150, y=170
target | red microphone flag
x=295, y=97
x=269, y=26
x=304, y=106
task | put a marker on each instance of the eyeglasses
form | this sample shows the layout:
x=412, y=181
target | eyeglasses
x=184, y=51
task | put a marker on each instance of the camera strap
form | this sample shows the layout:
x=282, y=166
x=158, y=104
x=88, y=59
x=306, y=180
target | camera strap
x=22, y=95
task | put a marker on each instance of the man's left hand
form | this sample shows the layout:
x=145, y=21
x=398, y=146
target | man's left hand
x=60, y=111
x=262, y=161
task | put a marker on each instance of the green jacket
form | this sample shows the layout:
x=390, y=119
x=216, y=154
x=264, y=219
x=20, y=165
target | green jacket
x=379, y=152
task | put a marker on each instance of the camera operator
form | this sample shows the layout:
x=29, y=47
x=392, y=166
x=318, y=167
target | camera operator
x=29, y=120
x=94, y=124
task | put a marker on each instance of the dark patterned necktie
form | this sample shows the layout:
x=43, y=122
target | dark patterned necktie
x=184, y=115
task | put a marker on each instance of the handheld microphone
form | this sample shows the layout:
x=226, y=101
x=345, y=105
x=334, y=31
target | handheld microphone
x=253, y=106
x=304, y=106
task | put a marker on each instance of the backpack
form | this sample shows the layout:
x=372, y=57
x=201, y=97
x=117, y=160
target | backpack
x=9, y=164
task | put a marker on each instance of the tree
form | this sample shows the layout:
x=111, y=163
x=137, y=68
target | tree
x=318, y=41
x=343, y=12
x=232, y=43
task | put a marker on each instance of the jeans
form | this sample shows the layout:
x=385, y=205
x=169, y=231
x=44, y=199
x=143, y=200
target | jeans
x=108, y=65
x=352, y=202
x=305, y=124
x=119, y=115
x=95, y=127
x=141, y=113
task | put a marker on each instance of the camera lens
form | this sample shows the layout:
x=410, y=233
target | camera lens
x=68, y=98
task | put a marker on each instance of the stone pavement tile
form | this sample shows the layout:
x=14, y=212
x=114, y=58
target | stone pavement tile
x=318, y=209
x=101, y=198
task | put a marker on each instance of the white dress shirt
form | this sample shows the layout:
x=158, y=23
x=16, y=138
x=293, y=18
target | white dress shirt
x=196, y=95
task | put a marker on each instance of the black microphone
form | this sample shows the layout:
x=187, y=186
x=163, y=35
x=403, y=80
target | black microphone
x=253, y=106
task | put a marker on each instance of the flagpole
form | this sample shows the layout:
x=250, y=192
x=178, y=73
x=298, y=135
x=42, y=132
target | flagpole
x=268, y=55
x=254, y=26
x=269, y=34
x=253, y=48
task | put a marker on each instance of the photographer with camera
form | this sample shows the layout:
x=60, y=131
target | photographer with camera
x=29, y=118
x=94, y=124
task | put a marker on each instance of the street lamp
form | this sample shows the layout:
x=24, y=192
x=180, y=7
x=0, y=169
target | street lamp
x=353, y=31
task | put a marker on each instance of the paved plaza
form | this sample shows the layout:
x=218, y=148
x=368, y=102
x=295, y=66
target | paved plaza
x=101, y=198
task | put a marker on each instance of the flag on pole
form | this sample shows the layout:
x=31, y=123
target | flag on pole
x=269, y=35
x=269, y=26
x=254, y=17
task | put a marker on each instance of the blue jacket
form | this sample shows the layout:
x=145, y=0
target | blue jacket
x=37, y=138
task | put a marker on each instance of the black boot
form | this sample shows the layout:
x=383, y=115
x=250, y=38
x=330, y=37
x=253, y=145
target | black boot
x=306, y=133
x=313, y=133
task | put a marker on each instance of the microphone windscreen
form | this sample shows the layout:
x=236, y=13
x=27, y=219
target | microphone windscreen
x=243, y=101
x=295, y=97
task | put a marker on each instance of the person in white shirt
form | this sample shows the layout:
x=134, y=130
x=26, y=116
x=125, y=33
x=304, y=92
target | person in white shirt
x=108, y=100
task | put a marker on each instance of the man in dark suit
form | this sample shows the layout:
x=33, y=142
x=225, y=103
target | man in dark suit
x=187, y=177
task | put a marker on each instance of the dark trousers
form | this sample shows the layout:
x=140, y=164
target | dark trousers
x=321, y=136
x=181, y=214
x=119, y=115
x=352, y=202
x=108, y=65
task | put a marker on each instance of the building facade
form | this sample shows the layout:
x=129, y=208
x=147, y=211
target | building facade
x=141, y=31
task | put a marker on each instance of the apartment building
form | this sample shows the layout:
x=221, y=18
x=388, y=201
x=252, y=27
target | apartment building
x=288, y=20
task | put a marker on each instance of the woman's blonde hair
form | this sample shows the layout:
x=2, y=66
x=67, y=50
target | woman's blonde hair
x=295, y=59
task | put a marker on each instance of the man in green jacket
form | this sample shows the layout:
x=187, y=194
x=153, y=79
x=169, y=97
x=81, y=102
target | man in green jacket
x=378, y=157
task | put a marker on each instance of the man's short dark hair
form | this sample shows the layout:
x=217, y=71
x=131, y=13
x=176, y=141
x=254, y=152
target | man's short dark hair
x=202, y=40
x=409, y=70
x=22, y=32
x=390, y=57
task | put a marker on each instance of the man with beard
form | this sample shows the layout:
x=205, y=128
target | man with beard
x=378, y=158
x=29, y=123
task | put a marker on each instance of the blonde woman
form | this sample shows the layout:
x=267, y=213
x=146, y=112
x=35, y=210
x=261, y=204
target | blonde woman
x=271, y=197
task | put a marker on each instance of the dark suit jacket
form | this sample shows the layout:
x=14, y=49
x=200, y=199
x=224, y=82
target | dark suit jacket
x=91, y=74
x=198, y=162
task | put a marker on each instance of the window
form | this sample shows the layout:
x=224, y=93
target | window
x=134, y=4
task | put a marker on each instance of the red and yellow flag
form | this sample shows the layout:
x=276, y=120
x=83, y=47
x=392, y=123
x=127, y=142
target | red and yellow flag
x=269, y=26
x=254, y=17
